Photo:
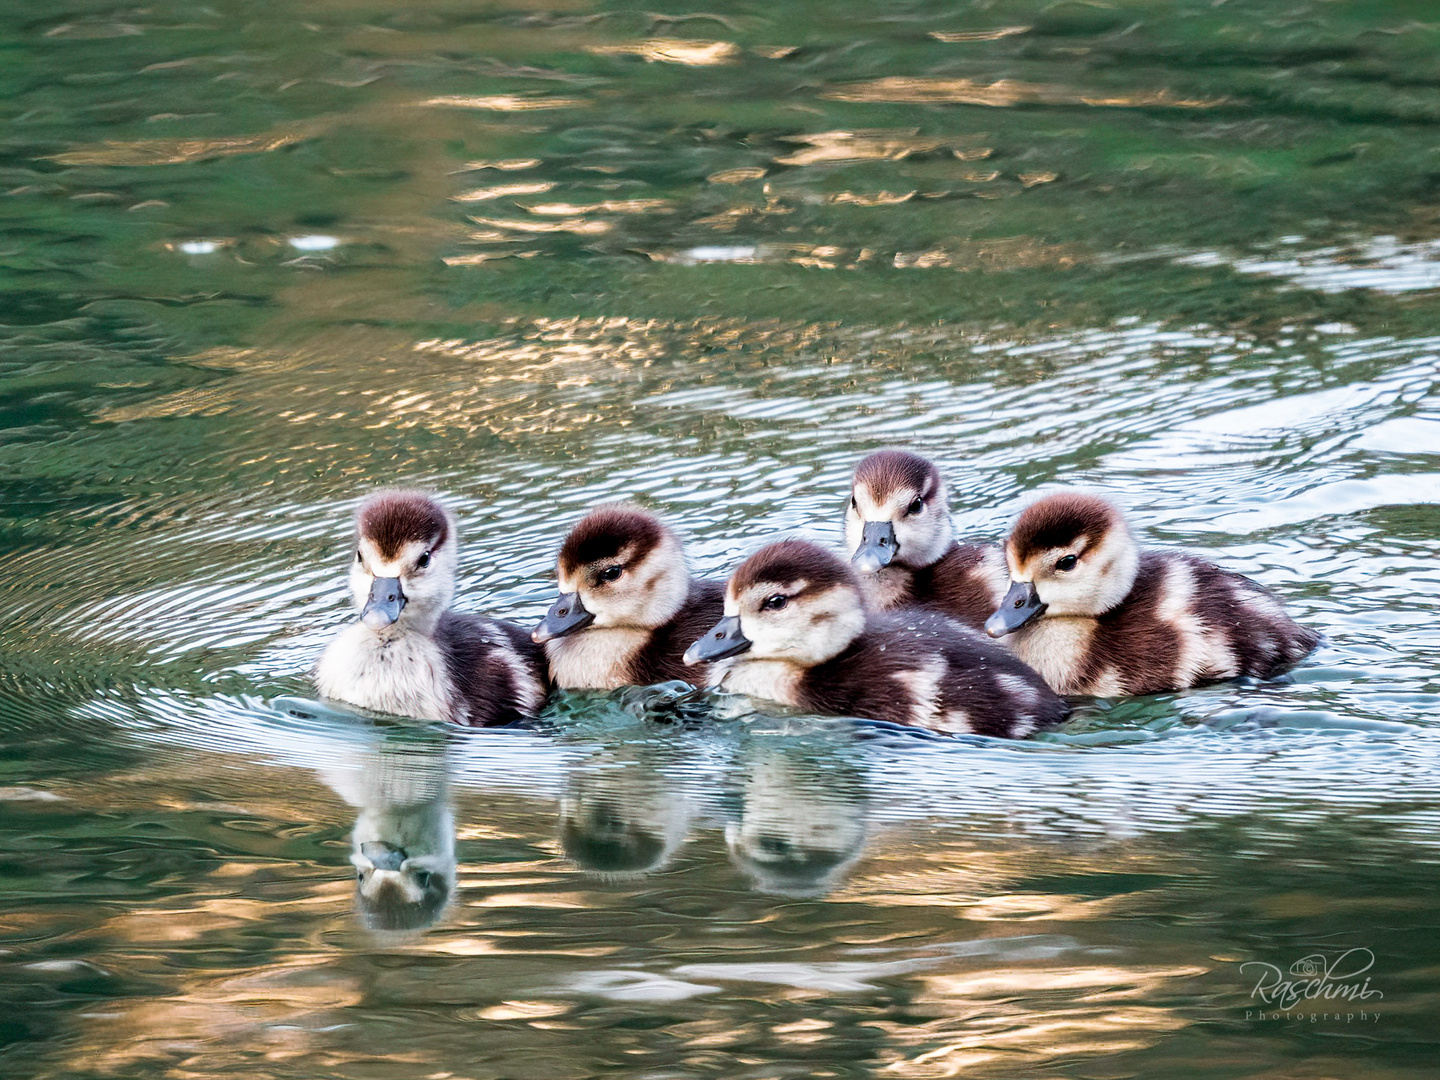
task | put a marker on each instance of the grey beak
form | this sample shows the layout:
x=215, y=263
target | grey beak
x=1021, y=604
x=877, y=547
x=565, y=616
x=386, y=601
x=721, y=640
x=382, y=855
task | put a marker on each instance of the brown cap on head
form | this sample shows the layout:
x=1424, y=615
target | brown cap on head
x=791, y=561
x=1058, y=521
x=393, y=518
x=606, y=531
x=888, y=471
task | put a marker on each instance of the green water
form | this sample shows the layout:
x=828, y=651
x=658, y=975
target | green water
x=258, y=258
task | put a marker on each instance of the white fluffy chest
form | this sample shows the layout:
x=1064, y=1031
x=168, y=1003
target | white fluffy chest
x=597, y=658
x=1057, y=649
x=888, y=588
x=773, y=680
x=405, y=675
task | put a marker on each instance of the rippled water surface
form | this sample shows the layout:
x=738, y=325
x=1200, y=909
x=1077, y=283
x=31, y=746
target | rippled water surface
x=258, y=258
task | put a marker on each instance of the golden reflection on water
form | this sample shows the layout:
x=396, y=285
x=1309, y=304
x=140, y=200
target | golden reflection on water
x=836, y=147
x=506, y=102
x=674, y=51
x=607, y=206
x=736, y=176
x=951, y=995
x=1003, y=93
x=578, y=225
x=504, y=165
x=182, y=151
x=501, y=191
x=955, y=36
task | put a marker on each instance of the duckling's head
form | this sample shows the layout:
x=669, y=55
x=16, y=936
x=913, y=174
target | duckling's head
x=403, y=573
x=619, y=567
x=792, y=601
x=1069, y=554
x=898, y=513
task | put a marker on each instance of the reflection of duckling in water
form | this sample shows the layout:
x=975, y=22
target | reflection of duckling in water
x=403, y=843
x=620, y=818
x=801, y=827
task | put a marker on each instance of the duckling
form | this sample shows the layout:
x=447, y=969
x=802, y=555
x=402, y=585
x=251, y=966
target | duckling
x=899, y=534
x=409, y=653
x=796, y=630
x=627, y=606
x=1096, y=615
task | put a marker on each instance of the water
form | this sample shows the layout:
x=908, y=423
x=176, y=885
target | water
x=256, y=259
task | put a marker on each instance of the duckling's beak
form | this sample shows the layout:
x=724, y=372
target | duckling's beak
x=383, y=607
x=877, y=547
x=382, y=855
x=1021, y=604
x=721, y=640
x=565, y=616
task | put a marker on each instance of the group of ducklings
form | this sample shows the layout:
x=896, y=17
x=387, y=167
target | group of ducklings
x=898, y=633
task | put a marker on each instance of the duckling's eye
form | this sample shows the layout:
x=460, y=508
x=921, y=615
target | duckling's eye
x=424, y=560
x=610, y=573
x=916, y=505
x=775, y=603
x=853, y=504
x=1067, y=563
x=358, y=557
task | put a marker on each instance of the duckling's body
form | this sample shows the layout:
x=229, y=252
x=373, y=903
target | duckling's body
x=796, y=630
x=1095, y=615
x=900, y=537
x=628, y=606
x=410, y=654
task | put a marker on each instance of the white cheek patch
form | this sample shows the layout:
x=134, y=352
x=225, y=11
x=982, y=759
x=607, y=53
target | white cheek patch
x=648, y=594
x=809, y=630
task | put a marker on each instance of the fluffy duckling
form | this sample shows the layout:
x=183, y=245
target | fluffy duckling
x=899, y=534
x=628, y=606
x=409, y=653
x=796, y=630
x=1096, y=615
